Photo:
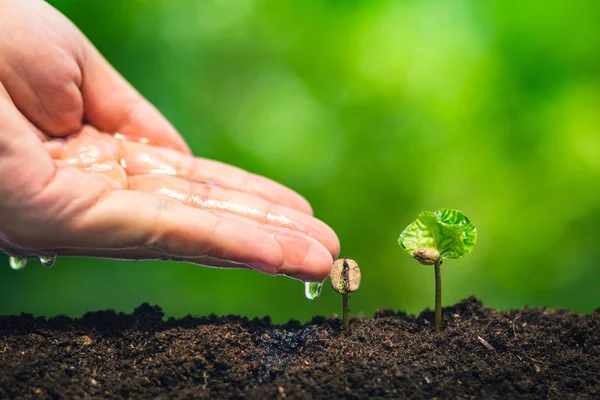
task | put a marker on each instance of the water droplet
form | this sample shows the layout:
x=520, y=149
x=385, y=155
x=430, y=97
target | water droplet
x=312, y=290
x=17, y=263
x=47, y=261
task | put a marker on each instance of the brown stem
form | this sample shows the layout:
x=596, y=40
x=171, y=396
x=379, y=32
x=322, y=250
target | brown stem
x=345, y=309
x=438, y=297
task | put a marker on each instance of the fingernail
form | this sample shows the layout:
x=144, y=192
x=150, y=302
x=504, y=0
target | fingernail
x=316, y=265
x=317, y=255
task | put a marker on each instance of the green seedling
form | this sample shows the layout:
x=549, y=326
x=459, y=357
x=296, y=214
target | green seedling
x=434, y=237
x=345, y=279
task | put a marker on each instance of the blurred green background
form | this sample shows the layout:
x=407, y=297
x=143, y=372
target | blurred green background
x=374, y=111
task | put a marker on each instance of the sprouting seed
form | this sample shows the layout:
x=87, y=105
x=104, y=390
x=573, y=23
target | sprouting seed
x=345, y=278
x=426, y=255
x=435, y=236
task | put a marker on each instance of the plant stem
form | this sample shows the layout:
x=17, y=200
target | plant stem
x=345, y=309
x=438, y=297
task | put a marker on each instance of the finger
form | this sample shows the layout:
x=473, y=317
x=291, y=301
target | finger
x=141, y=254
x=304, y=258
x=298, y=263
x=129, y=220
x=43, y=80
x=113, y=105
x=150, y=255
x=214, y=198
x=143, y=159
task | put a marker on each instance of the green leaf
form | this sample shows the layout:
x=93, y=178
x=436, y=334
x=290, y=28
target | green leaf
x=448, y=231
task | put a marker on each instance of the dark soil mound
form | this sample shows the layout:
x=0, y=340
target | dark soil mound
x=480, y=353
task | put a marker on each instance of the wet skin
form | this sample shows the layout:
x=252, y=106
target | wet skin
x=70, y=186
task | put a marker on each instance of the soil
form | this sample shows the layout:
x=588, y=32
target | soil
x=479, y=353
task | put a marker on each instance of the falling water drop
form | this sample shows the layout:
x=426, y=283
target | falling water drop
x=312, y=290
x=17, y=263
x=48, y=261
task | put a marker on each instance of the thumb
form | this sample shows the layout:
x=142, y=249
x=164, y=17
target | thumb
x=112, y=105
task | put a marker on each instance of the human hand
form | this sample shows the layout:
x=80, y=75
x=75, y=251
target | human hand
x=69, y=188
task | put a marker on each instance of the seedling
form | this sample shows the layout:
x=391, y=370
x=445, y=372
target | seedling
x=434, y=237
x=345, y=279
